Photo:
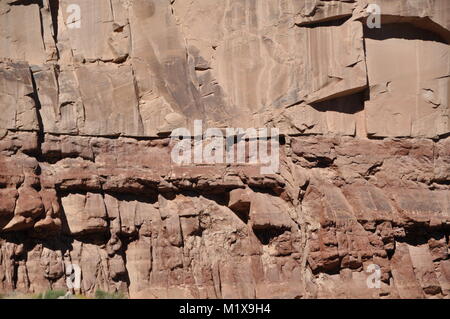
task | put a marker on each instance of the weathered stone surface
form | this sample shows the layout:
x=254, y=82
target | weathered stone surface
x=353, y=206
x=316, y=11
x=21, y=37
x=84, y=213
x=267, y=212
x=413, y=85
x=16, y=97
x=416, y=12
x=87, y=176
x=218, y=77
x=104, y=18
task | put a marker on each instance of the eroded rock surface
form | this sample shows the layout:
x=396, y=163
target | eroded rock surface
x=87, y=178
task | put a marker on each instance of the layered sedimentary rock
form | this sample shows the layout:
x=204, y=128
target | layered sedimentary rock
x=358, y=207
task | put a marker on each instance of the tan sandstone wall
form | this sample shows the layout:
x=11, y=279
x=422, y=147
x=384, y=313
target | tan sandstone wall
x=86, y=175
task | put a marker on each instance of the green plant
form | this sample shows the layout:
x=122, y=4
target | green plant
x=51, y=294
x=100, y=294
x=16, y=295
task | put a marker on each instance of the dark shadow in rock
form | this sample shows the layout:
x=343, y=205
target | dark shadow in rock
x=242, y=210
x=335, y=21
x=420, y=233
x=27, y=3
x=263, y=190
x=221, y=199
x=409, y=29
x=349, y=104
x=149, y=198
x=54, y=9
x=267, y=234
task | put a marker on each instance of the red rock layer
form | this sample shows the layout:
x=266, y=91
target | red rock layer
x=137, y=224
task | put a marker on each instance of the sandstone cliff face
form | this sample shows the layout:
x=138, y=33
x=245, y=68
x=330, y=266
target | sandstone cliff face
x=86, y=175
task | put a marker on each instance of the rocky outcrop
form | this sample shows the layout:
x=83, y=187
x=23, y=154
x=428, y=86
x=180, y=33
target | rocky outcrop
x=360, y=203
x=149, y=229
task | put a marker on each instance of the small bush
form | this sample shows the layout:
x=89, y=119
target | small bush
x=16, y=295
x=100, y=294
x=51, y=294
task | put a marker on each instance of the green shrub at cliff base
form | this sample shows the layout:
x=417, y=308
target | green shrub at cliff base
x=17, y=295
x=100, y=294
x=51, y=294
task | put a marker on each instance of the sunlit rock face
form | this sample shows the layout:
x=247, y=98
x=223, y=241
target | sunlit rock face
x=359, y=205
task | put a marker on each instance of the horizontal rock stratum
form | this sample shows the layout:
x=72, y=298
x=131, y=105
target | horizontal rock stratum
x=90, y=92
